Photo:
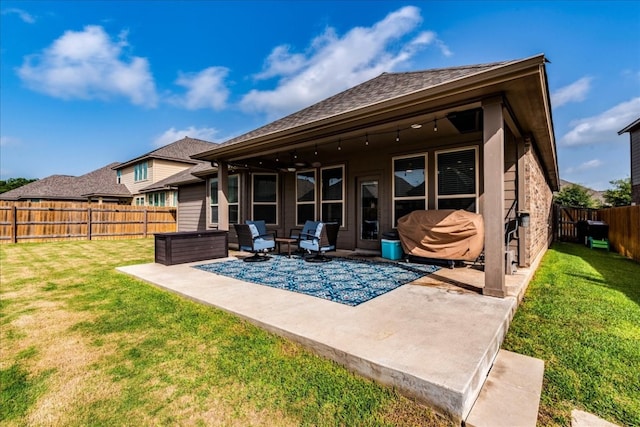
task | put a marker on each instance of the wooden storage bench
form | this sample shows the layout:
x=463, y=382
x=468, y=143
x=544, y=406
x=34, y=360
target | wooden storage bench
x=189, y=246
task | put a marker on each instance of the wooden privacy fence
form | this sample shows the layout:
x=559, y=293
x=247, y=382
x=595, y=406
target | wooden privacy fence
x=51, y=221
x=624, y=229
x=624, y=226
x=566, y=219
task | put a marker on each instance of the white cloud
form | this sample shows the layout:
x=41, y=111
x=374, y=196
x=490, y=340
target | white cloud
x=591, y=164
x=604, y=127
x=575, y=92
x=205, y=89
x=24, y=15
x=87, y=64
x=173, y=135
x=332, y=63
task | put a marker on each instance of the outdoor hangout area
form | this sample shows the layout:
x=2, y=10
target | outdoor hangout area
x=438, y=337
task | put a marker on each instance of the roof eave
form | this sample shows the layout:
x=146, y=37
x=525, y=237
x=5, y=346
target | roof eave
x=440, y=91
x=631, y=127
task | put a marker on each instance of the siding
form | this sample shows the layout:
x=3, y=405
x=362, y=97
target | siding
x=191, y=207
x=162, y=169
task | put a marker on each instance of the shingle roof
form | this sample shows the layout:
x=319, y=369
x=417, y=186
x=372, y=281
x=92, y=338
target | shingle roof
x=187, y=176
x=382, y=88
x=100, y=182
x=180, y=150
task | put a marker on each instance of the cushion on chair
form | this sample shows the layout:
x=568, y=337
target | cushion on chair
x=318, y=231
x=260, y=244
x=260, y=224
x=254, y=230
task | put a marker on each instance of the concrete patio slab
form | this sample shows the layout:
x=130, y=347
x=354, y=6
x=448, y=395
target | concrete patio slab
x=430, y=339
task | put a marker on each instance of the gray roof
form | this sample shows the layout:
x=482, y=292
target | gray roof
x=100, y=182
x=187, y=176
x=180, y=150
x=382, y=88
x=631, y=127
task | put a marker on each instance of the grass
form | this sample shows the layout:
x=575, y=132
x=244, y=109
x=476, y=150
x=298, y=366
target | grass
x=83, y=345
x=581, y=315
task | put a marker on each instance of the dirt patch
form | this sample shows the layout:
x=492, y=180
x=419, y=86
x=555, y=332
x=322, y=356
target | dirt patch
x=47, y=328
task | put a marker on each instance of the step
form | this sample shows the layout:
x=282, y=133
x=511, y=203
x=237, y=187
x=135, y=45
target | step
x=511, y=394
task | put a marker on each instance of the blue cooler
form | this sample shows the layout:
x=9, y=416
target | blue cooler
x=391, y=249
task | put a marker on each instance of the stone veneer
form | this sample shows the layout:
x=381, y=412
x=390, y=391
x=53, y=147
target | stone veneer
x=538, y=201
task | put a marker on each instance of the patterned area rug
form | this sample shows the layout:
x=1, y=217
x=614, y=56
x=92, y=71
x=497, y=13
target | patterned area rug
x=344, y=280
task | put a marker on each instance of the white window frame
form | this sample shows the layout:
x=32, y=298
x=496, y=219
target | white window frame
x=119, y=176
x=157, y=199
x=477, y=176
x=209, y=215
x=394, y=198
x=276, y=202
x=314, y=202
x=343, y=200
x=140, y=200
x=141, y=171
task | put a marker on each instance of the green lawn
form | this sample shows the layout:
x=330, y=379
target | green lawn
x=581, y=315
x=84, y=345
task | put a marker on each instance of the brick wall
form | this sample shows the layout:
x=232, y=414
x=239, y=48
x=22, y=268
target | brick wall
x=538, y=201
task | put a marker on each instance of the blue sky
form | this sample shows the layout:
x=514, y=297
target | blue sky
x=84, y=84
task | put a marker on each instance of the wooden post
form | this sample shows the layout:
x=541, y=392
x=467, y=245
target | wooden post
x=493, y=207
x=14, y=224
x=223, y=196
x=145, y=224
x=89, y=225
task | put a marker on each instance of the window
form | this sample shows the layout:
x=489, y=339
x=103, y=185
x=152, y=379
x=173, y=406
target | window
x=140, y=171
x=265, y=198
x=139, y=201
x=457, y=179
x=156, y=199
x=332, y=194
x=409, y=185
x=119, y=176
x=305, y=196
x=232, y=195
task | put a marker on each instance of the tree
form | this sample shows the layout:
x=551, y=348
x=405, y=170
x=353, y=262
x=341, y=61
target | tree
x=575, y=196
x=620, y=195
x=12, y=183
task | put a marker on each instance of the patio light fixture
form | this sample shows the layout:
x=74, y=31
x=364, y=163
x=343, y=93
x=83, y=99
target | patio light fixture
x=435, y=125
x=398, y=135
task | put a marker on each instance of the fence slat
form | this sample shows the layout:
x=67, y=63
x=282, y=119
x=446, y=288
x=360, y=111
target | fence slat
x=624, y=226
x=47, y=221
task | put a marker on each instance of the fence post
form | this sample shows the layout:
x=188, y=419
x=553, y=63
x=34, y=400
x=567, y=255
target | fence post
x=144, y=232
x=14, y=224
x=89, y=225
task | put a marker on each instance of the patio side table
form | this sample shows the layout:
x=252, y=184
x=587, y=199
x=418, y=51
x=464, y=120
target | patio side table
x=288, y=241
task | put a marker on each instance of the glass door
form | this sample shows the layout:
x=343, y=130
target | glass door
x=368, y=213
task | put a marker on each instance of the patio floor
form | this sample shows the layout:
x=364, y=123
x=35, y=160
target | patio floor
x=433, y=339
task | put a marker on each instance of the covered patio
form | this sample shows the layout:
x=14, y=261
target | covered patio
x=478, y=138
x=436, y=342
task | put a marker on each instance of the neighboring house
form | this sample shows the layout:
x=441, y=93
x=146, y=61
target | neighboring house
x=191, y=185
x=476, y=137
x=142, y=174
x=97, y=186
x=634, y=134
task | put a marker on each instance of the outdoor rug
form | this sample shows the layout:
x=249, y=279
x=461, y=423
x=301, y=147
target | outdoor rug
x=343, y=280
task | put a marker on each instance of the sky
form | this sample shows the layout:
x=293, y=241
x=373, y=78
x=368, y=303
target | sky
x=87, y=83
